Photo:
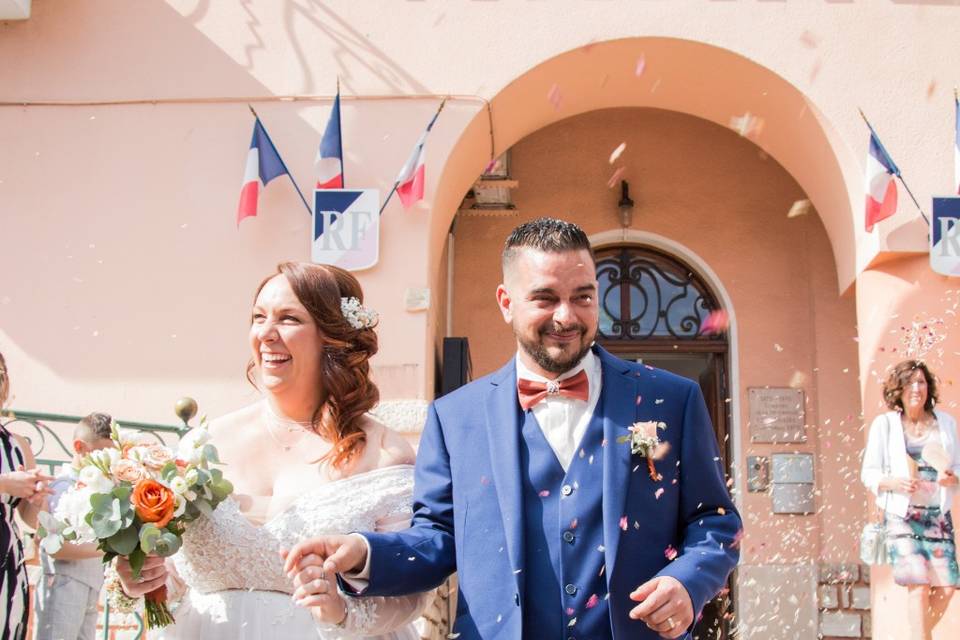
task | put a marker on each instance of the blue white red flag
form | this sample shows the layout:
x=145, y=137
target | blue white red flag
x=263, y=165
x=329, y=160
x=410, y=181
x=881, y=186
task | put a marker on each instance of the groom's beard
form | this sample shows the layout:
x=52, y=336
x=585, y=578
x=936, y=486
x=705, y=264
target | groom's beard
x=538, y=351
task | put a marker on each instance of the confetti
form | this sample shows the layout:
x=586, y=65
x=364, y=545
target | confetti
x=554, y=97
x=592, y=601
x=670, y=552
x=715, y=323
x=545, y=493
x=800, y=208
x=747, y=125
x=623, y=523
x=641, y=65
x=639, y=399
x=616, y=152
x=612, y=182
x=808, y=40
x=658, y=493
x=931, y=89
x=777, y=347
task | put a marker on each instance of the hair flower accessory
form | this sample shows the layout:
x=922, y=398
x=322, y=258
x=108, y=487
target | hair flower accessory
x=645, y=442
x=357, y=315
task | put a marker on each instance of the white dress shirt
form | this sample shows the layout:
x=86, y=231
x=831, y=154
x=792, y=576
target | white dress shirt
x=562, y=419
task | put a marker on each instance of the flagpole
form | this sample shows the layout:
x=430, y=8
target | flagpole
x=898, y=175
x=343, y=176
x=282, y=163
x=397, y=183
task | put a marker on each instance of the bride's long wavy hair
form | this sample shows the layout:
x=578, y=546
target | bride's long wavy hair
x=346, y=392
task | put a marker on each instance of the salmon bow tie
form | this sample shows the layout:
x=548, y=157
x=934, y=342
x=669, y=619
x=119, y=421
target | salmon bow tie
x=531, y=392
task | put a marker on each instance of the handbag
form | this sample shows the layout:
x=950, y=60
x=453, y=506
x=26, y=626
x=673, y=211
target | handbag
x=873, y=544
x=873, y=537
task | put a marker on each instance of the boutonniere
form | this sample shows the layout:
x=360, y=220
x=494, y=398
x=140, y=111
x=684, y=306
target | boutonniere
x=645, y=442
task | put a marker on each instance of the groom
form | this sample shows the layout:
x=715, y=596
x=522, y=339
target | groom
x=560, y=521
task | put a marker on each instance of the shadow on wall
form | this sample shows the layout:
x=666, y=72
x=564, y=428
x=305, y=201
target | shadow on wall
x=128, y=264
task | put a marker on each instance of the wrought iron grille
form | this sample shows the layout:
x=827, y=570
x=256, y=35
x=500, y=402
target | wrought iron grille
x=645, y=294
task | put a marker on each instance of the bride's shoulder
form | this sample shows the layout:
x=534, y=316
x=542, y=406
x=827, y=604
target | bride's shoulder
x=386, y=447
x=233, y=423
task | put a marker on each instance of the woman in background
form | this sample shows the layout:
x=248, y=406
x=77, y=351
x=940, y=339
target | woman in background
x=914, y=497
x=23, y=488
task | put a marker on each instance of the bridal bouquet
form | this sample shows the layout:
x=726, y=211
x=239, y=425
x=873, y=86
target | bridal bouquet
x=135, y=499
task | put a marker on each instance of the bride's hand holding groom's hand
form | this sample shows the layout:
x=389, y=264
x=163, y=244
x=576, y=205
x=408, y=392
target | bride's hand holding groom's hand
x=313, y=564
x=153, y=575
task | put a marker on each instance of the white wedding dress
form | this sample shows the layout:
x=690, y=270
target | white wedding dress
x=236, y=585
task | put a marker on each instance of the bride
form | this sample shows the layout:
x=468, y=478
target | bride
x=306, y=460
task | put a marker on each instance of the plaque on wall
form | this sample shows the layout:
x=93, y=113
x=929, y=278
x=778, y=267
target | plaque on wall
x=776, y=414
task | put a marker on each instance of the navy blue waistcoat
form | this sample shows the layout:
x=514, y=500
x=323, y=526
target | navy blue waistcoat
x=565, y=586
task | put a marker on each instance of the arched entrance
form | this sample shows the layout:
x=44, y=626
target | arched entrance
x=653, y=309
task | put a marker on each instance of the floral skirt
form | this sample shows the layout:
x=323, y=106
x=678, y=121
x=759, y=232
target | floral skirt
x=922, y=548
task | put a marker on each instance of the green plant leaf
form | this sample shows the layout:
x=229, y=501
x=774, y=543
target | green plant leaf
x=149, y=534
x=122, y=492
x=210, y=453
x=124, y=541
x=168, y=472
x=105, y=519
x=136, y=559
x=168, y=544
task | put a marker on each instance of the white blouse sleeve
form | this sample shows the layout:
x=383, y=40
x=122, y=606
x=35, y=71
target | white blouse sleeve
x=873, y=457
x=379, y=615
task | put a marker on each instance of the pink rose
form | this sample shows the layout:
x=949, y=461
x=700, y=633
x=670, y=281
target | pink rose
x=153, y=456
x=127, y=471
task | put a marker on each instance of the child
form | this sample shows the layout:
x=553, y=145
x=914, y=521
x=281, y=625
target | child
x=66, y=598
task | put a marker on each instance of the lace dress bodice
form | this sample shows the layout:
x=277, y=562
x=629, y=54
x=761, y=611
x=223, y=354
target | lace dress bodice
x=226, y=551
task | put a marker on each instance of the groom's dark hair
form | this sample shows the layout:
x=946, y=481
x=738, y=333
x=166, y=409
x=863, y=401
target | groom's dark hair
x=544, y=234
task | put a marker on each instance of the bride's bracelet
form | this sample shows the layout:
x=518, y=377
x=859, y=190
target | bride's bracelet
x=117, y=598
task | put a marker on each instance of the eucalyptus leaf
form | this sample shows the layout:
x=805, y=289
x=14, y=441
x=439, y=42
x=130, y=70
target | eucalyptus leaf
x=203, y=506
x=105, y=518
x=169, y=471
x=210, y=453
x=122, y=492
x=168, y=544
x=149, y=534
x=124, y=541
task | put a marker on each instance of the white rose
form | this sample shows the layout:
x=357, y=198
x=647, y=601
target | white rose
x=93, y=479
x=72, y=509
x=191, y=445
x=181, y=488
x=131, y=438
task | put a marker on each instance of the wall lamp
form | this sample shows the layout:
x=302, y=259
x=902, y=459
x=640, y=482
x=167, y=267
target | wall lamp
x=625, y=206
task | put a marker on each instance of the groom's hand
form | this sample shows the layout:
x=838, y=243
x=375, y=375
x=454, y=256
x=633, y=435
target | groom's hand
x=665, y=606
x=335, y=554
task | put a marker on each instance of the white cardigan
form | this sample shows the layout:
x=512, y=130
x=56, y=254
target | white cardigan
x=886, y=455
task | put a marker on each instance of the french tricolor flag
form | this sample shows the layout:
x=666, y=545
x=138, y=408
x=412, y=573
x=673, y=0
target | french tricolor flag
x=880, y=187
x=411, y=179
x=329, y=160
x=263, y=165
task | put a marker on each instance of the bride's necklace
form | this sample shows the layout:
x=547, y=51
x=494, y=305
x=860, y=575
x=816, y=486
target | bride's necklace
x=285, y=426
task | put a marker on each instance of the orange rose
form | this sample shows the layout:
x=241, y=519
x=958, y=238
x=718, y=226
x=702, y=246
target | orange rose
x=153, y=502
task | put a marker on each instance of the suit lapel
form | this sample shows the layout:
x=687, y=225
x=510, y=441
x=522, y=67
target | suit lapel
x=503, y=430
x=618, y=402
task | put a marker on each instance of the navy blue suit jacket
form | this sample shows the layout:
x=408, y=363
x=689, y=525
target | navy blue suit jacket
x=468, y=508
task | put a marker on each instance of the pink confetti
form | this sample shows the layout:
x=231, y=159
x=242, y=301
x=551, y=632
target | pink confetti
x=717, y=322
x=545, y=493
x=670, y=552
x=658, y=493
x=615, y=178
x=639, y=399
x=554, y=96
x=484, y=480
x=592, y=601
x=570, y=611
x=641, y=65
x=574, y=523
x=808, y=40
x=623, y=523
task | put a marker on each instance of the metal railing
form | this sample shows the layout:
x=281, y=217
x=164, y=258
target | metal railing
x=50, y=451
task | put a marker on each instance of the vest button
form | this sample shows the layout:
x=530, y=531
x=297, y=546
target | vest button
x=568, y=536
x=566, y=489
x=570, y=589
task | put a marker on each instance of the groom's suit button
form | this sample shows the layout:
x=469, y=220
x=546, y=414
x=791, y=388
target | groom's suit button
x=566, y=489
x=568, y=536
x=570, y=589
